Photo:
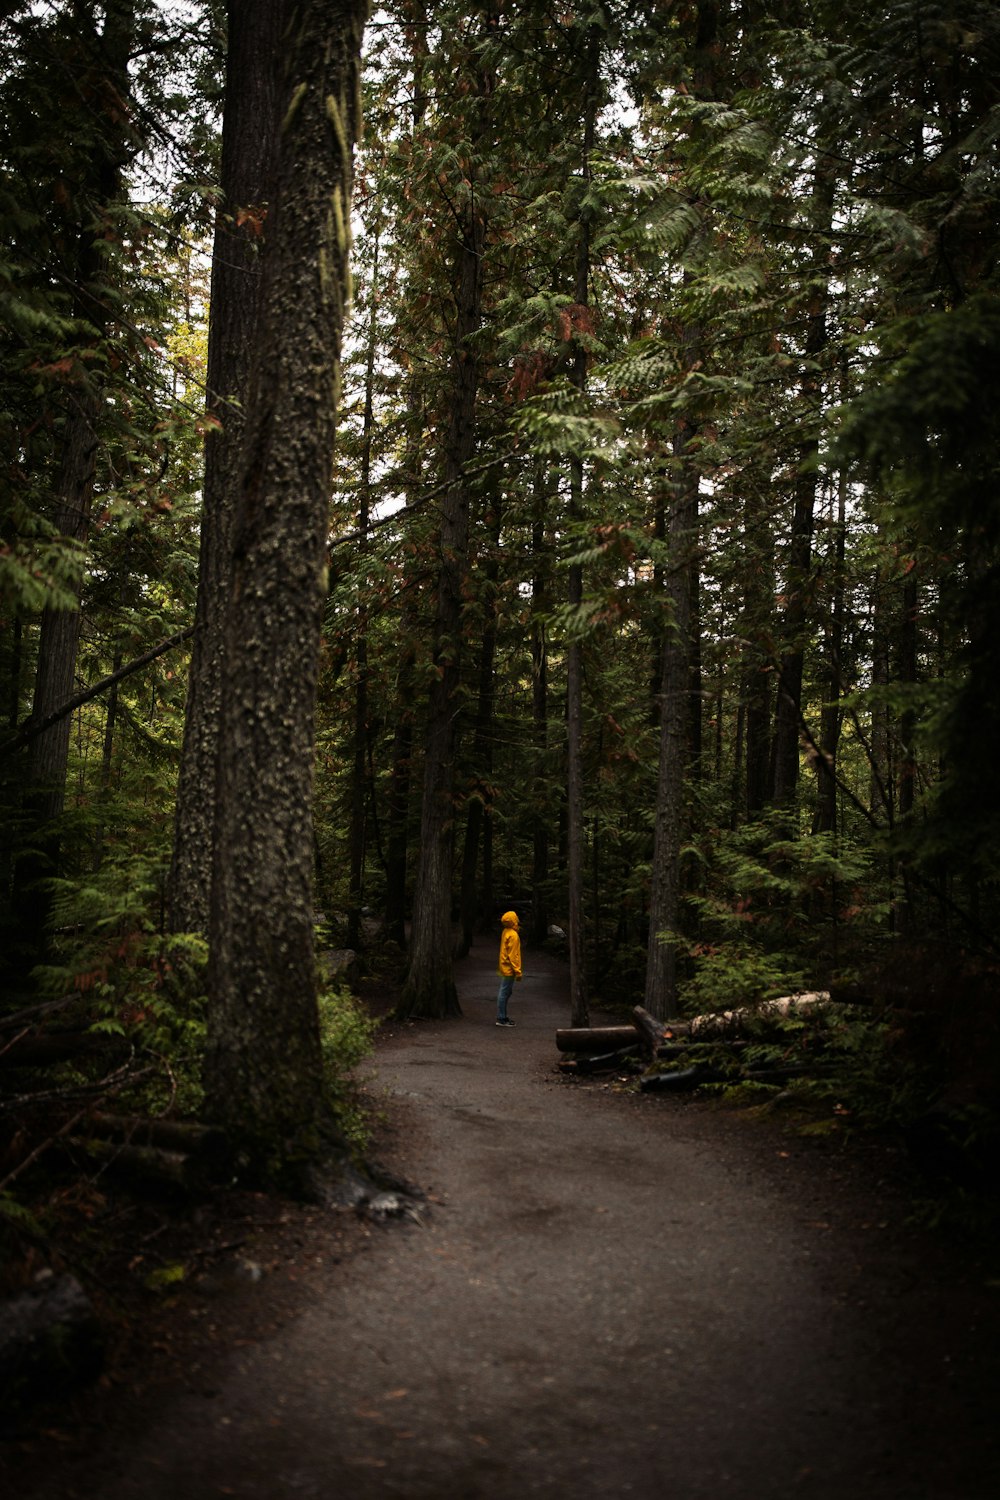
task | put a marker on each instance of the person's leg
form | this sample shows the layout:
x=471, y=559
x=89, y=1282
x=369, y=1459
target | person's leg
x=503, y=995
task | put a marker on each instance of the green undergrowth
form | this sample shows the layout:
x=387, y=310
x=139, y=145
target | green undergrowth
x=135, y=984
x=347, y=1037
x=875, y=1072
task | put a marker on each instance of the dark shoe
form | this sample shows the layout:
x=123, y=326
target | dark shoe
x=506, y=1023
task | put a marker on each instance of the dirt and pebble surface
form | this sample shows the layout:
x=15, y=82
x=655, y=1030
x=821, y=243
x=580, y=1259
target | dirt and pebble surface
x=603, y=1294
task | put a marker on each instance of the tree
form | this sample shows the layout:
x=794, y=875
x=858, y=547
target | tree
x=99, y=430
x=102, y=69
x=429, y=990
x=263, y=1072
x=250, y=136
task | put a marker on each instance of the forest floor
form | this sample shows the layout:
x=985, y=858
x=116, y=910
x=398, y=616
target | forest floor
x=606, y=1294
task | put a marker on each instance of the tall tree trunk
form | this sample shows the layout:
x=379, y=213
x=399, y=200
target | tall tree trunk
x=429, y=989
x=785, y=747
x=107, y=760
x=788, y=709
x=907, y=673
x=14, y=674
x=757, y=679
x=882, y=794
x=575, y=840
x=680, y=709
x=105, y=91
x=401, y=772
x=359, y=773
x=825, y=819
x=263, y=1065
x=469, y=902
x=397, y=811
x=657, y=627
x=539, y=718
x=55, y=676
x=675, y=717
x=695, y=687
x=249, y=146
x=400, y=776
x=579, y=1011
x=398, y=801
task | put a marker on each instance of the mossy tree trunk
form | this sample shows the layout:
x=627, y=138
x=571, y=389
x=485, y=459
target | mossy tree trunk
x=249, y=144
x=263, y=1068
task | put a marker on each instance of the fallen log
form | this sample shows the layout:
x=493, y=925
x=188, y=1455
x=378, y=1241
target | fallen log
x=677, y=1080
x=32, y=1014
x=149, y=1168
x=187, y=1137
x=701, y=1051
x=595, y=1038
x=45, y=1048
x=731, y=1021
x=604, y=1062
x=652, y=1032
x=782, y=1073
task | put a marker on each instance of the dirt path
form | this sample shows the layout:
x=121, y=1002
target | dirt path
x=611, y=1296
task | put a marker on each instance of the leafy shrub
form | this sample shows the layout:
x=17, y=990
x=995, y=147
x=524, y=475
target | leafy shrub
x=734, y=973
x=347, y=1036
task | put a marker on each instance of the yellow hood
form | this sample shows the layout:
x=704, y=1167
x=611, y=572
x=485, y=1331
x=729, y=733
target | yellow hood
x=509, y=919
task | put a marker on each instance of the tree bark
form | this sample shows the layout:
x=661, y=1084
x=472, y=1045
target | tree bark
x=249, y=144
x=539, y=718
x=825, y=819
x=359, y=773
x=758, y=607
x=430, y=990
x=797, y=579
x=263, y=1065
x=401, y=773
x=665, y=887
x=398, y=811
x=595, y=1038
x=575, y=851
x=470, y=907
x=107, y=758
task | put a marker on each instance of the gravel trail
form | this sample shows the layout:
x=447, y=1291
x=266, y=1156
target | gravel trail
x=608, y=1296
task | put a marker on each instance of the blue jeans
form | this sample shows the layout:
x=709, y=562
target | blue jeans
x=503, y=995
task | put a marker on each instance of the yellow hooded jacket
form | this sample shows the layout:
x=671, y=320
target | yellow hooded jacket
x=510, y=946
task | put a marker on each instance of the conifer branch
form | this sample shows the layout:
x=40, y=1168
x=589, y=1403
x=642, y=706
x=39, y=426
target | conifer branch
x=30, y=729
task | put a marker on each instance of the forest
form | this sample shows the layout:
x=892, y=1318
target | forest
x=526, y=452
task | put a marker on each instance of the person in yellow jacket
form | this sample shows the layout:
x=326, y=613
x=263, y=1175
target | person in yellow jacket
x=509, y=964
